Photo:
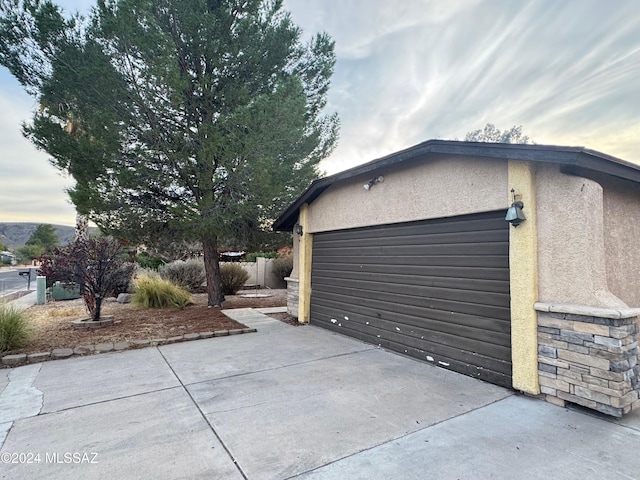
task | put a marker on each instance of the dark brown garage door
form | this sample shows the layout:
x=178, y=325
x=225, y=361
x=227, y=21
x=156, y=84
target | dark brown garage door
x=436, y=290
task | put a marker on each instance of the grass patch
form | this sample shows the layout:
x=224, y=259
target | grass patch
x=154, y=292
x=14, y=329
x=39, y=317
x=67, y=312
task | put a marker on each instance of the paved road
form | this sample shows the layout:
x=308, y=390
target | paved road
x=11, y=282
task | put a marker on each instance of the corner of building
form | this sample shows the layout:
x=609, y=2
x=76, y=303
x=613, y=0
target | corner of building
x=523, y=267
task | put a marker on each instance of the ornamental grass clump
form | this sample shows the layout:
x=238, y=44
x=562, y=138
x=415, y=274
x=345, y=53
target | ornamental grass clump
x=155, y=292
x=14, y=329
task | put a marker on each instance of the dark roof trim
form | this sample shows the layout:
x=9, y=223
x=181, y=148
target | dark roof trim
x=572, y=158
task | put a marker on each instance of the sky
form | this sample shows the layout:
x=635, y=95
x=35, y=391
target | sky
x=408, y=71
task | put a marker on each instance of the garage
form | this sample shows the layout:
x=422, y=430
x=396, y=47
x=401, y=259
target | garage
x=411, y=252
x=436, y=290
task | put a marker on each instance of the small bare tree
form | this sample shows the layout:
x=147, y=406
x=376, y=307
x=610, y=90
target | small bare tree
x=95, y=264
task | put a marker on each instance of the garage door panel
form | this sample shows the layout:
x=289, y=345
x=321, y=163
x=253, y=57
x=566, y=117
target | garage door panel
x=457, y=249
x=455, y=283
x=440, y=287
x=470, y=337
x=489, y=261
x=422, y=291
x=492, y=370
x=423, y=349
x=445, y=226
x=444, y=239
x=439, y=349
x=375, y=310
x=459, y=273
x=423, y=326
x=364, y=298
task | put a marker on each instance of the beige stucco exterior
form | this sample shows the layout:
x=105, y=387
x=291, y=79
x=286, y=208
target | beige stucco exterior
x=621, y=212
x=416, y=191
x=523, y=271
x=305, y=245
x=572, y=252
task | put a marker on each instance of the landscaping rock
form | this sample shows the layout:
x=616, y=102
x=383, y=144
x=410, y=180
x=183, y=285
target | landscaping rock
x=13, y=360
x=86, y=322
x=120, y=346
x=140, y=342
x=83, y=349
x=206, y=334
x=124, y=298
x=39, y=357
x=104, y=347
x=191, y=336
x=221, y=333
x=177, y=338
x=236, y=331
x=61, y=353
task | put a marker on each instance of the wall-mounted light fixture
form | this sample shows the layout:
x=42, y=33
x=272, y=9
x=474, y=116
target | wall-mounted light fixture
x=373, y=181
x=515, y=216
x=298, y=229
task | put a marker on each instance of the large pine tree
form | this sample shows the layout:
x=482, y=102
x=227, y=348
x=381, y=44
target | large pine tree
x=199, y=119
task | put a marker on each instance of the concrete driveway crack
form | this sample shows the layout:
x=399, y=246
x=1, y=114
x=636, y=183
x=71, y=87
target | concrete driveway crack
x=226, y=449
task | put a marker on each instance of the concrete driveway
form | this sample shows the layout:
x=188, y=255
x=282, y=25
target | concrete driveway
x=290, y=402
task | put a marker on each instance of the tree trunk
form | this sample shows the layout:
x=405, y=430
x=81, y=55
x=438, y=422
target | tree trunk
x=89, y=302
x=98, y=308
x=212, y=270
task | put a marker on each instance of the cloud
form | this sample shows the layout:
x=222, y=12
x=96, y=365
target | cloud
x=32, y=190
x=414, y=70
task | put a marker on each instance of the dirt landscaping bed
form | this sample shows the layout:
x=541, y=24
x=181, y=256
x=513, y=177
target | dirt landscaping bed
x=51, y=323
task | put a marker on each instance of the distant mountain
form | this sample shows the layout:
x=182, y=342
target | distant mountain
x=15, y=235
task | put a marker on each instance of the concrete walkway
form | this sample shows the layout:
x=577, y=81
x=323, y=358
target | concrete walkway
x=25, y=301
x=290, y=402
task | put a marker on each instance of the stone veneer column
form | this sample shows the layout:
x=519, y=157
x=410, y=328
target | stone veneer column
x=293, y=291
x=589, y=356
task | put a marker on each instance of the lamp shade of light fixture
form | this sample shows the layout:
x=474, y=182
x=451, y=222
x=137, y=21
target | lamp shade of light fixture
x=298, y=229
x=372, y=182
x=515, y=215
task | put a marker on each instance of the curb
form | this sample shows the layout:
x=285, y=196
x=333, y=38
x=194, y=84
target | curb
x=16, y=360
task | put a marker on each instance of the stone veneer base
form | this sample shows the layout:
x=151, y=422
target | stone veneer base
x=293, y=292
x=589, y=356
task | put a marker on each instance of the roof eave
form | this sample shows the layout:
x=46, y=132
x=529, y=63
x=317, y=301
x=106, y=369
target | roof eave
x=576, y=160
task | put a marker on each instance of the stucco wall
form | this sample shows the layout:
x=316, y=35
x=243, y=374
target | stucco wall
x=622, y=239
x=571, y=240
x=523, y=274
x=416, y=191
x=296, y=260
